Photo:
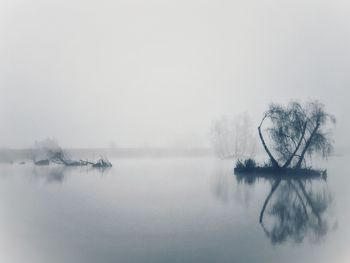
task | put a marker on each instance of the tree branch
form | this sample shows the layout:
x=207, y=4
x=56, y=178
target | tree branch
x=273, y=160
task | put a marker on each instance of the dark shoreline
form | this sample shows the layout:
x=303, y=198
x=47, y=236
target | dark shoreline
x=267, y=172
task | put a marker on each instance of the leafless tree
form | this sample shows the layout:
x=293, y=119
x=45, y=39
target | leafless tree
x=297, y=130
x=233, y=137
x=47, y=149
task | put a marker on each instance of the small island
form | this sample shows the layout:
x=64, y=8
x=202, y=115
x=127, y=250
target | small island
x=295, y=131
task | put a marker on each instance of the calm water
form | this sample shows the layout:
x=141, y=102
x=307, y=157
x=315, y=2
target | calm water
x=171, y=210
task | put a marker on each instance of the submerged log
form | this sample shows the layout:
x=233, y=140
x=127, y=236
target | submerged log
x=102, y=164
x=42, y=162
x=76, y=163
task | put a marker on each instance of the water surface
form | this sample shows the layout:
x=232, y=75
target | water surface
x=170, y=210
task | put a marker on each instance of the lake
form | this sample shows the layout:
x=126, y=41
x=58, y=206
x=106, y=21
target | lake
x=171, y=210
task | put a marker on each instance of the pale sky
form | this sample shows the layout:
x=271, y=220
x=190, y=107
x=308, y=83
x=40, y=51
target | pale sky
x=157, y=73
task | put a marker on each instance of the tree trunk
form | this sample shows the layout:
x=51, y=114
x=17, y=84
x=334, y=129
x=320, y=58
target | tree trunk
x=307, y=146
x=310, y=202
x=273, y=160
x=273, y=189
x=300, y=199
x=296, y=148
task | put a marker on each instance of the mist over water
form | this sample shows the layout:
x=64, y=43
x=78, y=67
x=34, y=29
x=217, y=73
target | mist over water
x=122, y=122
x=155, y=73
x=157, y=210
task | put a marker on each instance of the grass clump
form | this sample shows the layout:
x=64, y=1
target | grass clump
x=246, y=164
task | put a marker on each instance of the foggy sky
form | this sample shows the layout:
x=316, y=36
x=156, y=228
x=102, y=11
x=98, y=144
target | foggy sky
x=156, y=73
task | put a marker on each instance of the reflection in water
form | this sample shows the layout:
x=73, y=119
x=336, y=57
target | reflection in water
x=57, y=174
x=50, y=174
x=294, y=208
x=222, y=186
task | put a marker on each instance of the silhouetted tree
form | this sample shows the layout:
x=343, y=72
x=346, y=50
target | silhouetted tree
x=296, y=130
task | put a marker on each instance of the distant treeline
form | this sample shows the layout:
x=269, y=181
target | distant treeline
x=12, y=155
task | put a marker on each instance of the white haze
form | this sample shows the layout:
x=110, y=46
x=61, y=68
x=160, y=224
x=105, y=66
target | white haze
x=156, y=73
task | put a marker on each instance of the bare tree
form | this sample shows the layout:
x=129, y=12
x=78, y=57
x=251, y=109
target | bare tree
x=296, y=130
x=233, y=137
x=47, y=149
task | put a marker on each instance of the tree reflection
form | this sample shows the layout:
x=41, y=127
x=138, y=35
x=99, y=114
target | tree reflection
x=295, y=208
x=50, y=174
x=57, y=174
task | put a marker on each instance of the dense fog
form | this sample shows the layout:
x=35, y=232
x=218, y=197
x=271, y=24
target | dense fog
x=158, y=73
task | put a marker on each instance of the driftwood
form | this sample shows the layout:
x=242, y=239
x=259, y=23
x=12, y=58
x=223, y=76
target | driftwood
x=101, y=163
x=42, y=162
x=48, y=151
